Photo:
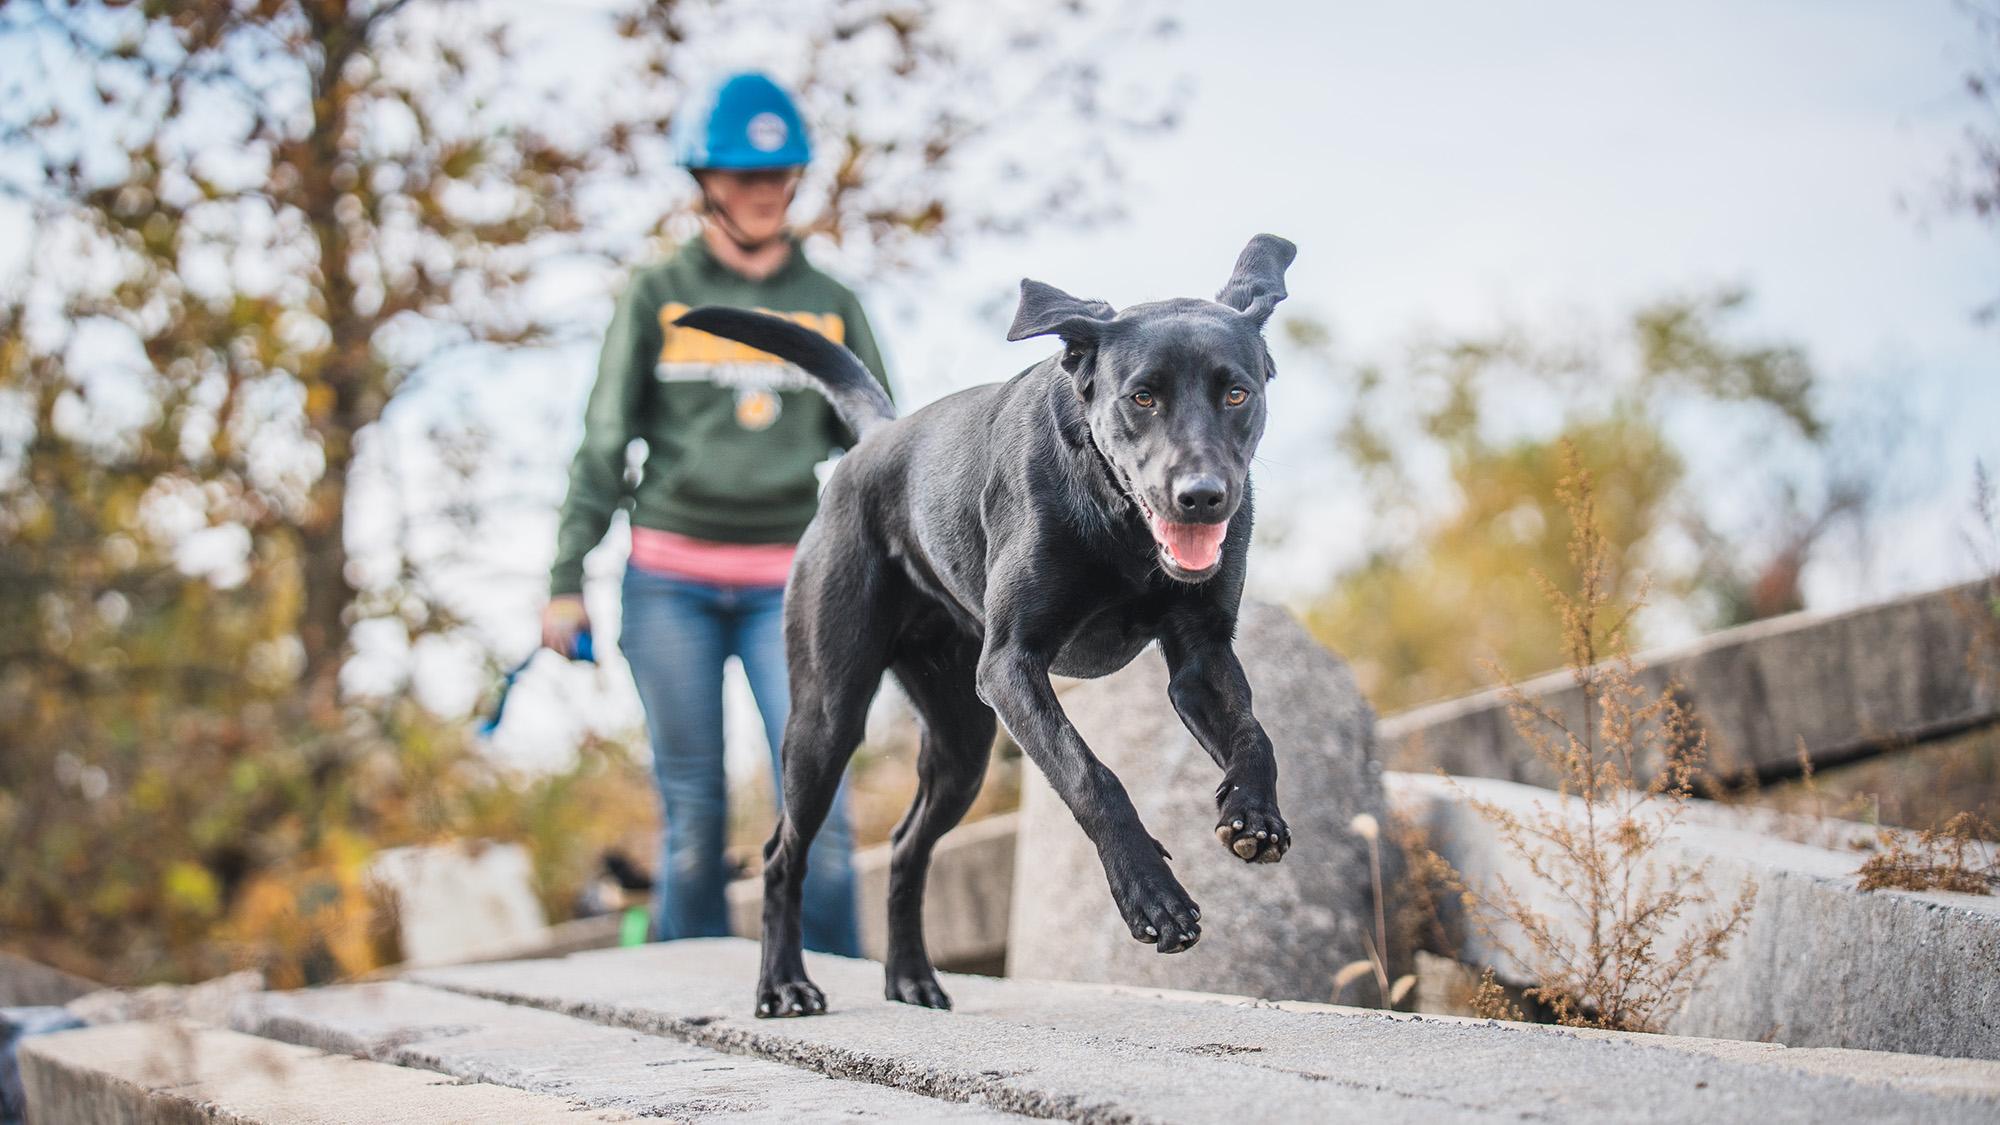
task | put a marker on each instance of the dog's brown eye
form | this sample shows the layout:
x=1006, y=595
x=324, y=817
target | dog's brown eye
x=1144, y=399
x=1237, y=396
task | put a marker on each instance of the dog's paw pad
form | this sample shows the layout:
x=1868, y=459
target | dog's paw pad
x=1252, y=830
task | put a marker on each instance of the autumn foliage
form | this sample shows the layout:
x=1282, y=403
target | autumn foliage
x=252, y=227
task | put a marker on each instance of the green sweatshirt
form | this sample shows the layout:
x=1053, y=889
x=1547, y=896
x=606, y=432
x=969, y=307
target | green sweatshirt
x=732, y=434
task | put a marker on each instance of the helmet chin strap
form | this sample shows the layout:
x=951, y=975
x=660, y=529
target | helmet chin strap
x=732, y=230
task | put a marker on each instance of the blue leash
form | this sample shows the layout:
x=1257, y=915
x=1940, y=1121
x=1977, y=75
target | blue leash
x=584, y=651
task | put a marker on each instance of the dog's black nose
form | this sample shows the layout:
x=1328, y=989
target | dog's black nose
x=1199, y=497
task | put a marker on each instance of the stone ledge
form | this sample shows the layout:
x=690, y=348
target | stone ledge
x=176, y=1073
x=966, y=898
x=1097, y=1054
x=29, y=984
x=600, y=1067
x=1821, y=964
x=1848, y=684
x=1972, y=1079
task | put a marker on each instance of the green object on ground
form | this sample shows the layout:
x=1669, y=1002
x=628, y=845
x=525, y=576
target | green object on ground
x=633, y=929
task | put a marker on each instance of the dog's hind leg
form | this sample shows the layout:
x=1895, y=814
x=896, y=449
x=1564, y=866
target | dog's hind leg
x=958, y=737
x=838, y=627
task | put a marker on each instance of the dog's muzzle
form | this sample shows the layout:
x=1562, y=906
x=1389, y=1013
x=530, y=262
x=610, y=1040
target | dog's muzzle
x=1194, y=548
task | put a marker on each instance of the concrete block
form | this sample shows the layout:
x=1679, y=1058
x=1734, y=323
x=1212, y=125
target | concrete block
x=1821, y=964
x=1848, y=684
x=577, y=935
x=966, y=902
x=177, y=1074
x=462, y=901
x=588, y=1064
x=560, y=940
x=967, y=897
x=1273, y=930
x=16, y=1024
x=206, y=1003
x=1094, y=1053
x=30, y=984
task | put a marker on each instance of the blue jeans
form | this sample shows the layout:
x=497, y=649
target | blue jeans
x=676, y=636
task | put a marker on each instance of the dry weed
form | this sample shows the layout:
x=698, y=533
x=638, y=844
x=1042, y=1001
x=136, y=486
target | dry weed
x=1368, y=828
x=1936, y=859
x=1950, y=858
x=1423, y=918
x=1491, y=1001
x=1602, y=960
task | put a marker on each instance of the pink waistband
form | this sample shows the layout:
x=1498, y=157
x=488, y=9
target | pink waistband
x=711, y=563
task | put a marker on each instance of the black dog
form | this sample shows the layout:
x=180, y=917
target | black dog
x=1055, y=523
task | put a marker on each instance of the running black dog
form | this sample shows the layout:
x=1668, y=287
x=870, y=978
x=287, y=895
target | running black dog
x=1055, y=523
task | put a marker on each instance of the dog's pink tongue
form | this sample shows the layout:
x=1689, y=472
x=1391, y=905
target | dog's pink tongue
x=1191, y=546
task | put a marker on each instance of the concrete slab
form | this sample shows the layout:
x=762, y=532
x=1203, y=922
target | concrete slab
x=967, y=896
x=1096, y=1054
x=588, y=1064
x=467, y=900
x=1848, y=684
x=30, y=984
x=206, y=1003
x=16, y=1024
x=1821, y=963
x=171, y=1074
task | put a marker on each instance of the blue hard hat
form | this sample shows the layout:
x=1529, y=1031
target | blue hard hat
x=748, y=122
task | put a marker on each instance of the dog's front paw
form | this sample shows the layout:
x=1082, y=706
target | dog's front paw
x=920, y=989
x=1158, y=911
x=1251, y=827
x=799, y=997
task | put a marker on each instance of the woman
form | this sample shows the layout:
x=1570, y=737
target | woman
x=727, y=487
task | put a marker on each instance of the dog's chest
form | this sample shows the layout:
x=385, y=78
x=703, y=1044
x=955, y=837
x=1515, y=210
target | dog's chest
x=1102, y=644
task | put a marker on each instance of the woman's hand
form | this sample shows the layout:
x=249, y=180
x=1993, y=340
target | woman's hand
x=562, y=620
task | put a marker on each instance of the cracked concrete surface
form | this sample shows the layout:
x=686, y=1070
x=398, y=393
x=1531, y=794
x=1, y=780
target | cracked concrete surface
x=1094, y=1054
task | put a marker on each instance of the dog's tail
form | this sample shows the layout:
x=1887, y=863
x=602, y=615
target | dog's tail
x=851, y=388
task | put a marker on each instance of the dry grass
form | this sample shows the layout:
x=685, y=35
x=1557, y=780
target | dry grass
x=1390, y=994
x=1490, y=1000
x=1607, y=957
x=1948, y=858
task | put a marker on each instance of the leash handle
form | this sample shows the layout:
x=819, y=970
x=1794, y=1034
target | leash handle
x=581, y=649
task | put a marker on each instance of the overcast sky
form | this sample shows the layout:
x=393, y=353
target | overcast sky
x=1443, y=161
x=1449, y=165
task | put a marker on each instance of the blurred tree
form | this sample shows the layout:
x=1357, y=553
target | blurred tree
x=1974, y=185
x=250, y=225
x=1460, y=452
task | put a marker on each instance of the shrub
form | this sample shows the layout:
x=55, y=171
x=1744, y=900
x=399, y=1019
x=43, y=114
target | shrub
x=1607, y=957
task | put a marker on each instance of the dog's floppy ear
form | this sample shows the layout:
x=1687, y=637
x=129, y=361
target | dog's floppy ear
x=1046, y=310
x=1258, y=282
